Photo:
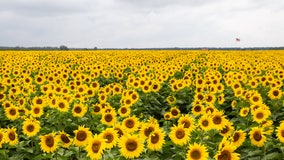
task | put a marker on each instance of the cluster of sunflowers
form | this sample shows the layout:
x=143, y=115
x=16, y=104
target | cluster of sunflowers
x=125, y=104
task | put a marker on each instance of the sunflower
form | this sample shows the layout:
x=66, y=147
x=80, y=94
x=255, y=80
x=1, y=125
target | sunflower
x=226, y=131
x=124, y=111
x=131, y=146
x=79, y=110
x=39, y=101
x=238, y=137
x=171, y=99
x=64, y=139
x=36, y=111
x=197, y=109
x=12, y=112
x=130, y=124
x=108, y=118
x=219, y=120
x=221, y=98
x=2, y=97
x=31, y=127
x=96, y=109
x=175, y=112
x=260, y=115
x=2, y=137
x=280, y=132
x=12, y=136
x=156, y=140
x=274, y=93
x=197, y=152
x=257, y=136
x=119, y=130
x=227, y=153
x=49, y=143
x=82, y=136
x=111, y=137
x=187, y=122
x=95, y=147
x=205, y=122
x=167, y=116
x=244, y=111
x=62, y=105
x=255, y=98
x=179, y=135
x=146, y=129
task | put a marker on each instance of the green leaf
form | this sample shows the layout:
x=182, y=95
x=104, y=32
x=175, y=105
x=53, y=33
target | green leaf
x=274, y=155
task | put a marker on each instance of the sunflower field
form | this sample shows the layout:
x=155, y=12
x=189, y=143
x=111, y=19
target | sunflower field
x=142, y=104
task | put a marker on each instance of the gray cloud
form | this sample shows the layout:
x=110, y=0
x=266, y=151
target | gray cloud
x=147, y=23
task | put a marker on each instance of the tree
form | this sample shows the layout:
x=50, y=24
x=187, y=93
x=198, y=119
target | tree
x=63, y=47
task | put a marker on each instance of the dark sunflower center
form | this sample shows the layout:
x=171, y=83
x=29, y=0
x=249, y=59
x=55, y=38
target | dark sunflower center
x=39, y=101
x=96, y=146
x=236, y=137
x=109, y=138
x=12, y=112
x=282, y=133
x=257, y=136
x=225, y=130
x=217, y=120
x=30, y=128
x=174, y=112
x=78, y=109
x=49, y=141
x=131, y=145
x=255, y=99
x=1, y=137
x=36, y=110
x=127, y=102
x=97, y=108
x=225, y=155
x=275, y=93
x=186, y=124
x=195, y=154
x=197, y=108
x=108, y=117
x=148, y=130
x=61, y=105
x=205, y=123
x=12, y=136
x=130, y=123
x=180, y=134
x=209, y=99
x=134, y=96
x=155, y=138
x=81, y=136
x=259, y=115
x=123, y=110
x=64, y=138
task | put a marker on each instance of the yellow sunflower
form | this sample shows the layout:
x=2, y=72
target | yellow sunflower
x=12, y=136
x=124, y=111
x=197, y=152
x=219, y=120
x=260, y=115
x=108, y=118
x=274, y=93
x=95, y=147
x=96, y=109
x=280, y=132
x=171, y=99
x=205, y=122
x=82, y=136
x=238, y=137
x=187, y=122
x=255, y=98
x=49, y=143
x=79, y=110
x=179, y=135
x=130, y=124
x=146, y=129
x=156, y=140
x=197, y=109
x=64, y=139
x=2, y=137
x=175, y=112
x=167, y=116
x=111, y=137
x=36, y=111
x=12, y=112
x=227, y=153
x=62, y=105
x=31, y=127
x=257, y=136
x=244, y=111
x=131, y=146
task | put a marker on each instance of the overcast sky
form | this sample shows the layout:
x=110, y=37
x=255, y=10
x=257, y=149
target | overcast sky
x=142, y=23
